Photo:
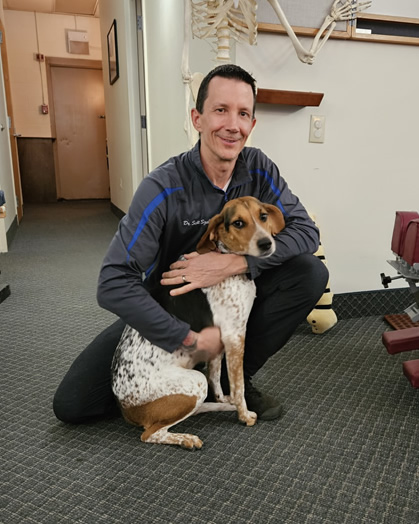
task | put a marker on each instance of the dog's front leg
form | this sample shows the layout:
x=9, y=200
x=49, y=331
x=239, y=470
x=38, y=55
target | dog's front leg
x=214, y=378
x=234, y=350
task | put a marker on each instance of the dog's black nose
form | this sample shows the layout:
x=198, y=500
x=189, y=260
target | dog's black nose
x=264, y=244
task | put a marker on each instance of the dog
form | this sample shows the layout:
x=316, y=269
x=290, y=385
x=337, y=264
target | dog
x=156, y=389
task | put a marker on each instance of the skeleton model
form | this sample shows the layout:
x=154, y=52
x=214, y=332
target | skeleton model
x=342, y=10
x=222, y=20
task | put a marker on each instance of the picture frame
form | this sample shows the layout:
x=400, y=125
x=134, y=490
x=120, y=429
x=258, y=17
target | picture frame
x=113, y=62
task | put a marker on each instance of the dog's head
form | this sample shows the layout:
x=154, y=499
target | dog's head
x=245, y=226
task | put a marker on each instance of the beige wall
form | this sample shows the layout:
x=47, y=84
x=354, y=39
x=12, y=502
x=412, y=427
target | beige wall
x=367, y=167
x=161, y=74
x=122, y=102
x=354, y=182
x=163, y=33
x=25, y=73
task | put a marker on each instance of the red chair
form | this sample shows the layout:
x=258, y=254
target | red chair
x=405, y=244
x=399, y=231
x=411, y=243
x=404, y=340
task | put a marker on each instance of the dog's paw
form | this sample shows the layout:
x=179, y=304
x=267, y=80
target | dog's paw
x=249, y=418
x=224, y=399
x=191, y=442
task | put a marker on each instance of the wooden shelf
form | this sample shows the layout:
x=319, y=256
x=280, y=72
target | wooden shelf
x=291, y=98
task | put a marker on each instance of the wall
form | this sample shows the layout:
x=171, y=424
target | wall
x=6, y=170
x=164, y=108
x=368, y=166
x=163, y=34
x=122, y=102
x=365, y=170
x=354, y=182
x=28, y=79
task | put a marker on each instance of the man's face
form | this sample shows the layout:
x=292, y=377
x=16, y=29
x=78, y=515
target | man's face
x=226, y=120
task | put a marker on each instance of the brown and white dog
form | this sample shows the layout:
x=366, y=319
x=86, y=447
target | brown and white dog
x=157, y=389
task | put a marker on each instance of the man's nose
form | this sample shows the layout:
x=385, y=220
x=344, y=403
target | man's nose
x=232, y=122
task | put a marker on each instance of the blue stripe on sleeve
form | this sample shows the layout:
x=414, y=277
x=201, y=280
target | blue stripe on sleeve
x=147, y=212
x=274, y=188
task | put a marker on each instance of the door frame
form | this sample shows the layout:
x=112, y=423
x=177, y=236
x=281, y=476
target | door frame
x=70, y=63
x=12, y=130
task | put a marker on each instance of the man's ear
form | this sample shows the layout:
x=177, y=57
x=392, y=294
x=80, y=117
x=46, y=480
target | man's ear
x=253, y=123
x=196, y=119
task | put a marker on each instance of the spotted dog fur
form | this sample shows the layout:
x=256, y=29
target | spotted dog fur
x=157, y=389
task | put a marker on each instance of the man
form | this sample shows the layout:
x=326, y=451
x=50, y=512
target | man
x=155, y=244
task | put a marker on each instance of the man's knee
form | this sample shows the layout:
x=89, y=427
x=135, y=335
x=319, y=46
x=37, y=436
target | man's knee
x=77, y=410
x=67, y=408
x=65, y=411
x=314, y=273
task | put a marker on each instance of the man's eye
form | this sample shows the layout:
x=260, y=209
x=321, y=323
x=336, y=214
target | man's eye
x=220, y=110
x=238, y=224
x=243, y=113
x=263, y=217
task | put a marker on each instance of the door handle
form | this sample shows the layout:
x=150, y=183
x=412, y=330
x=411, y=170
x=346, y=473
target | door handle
x=102, y=116
x=1, y=127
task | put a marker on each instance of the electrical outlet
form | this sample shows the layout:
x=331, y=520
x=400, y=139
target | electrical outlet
x=317, y=128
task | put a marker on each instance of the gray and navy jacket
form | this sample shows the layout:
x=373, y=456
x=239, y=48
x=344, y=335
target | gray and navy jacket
x=168, y=215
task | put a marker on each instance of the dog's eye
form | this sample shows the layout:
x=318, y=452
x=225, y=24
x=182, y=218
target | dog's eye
x=238, y=224
x=263, y=217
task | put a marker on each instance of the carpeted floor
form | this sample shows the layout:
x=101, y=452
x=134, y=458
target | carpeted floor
x=346, y=450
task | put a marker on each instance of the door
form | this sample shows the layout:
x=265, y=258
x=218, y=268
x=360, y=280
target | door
x=79, y=117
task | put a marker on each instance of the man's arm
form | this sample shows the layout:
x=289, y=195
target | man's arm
x=201, y=271
x=131, y=253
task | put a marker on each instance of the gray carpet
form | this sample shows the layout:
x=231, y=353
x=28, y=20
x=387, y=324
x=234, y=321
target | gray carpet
x=346, y=450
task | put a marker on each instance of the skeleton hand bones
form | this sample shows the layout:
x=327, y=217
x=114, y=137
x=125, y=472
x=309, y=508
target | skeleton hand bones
x=341, y=10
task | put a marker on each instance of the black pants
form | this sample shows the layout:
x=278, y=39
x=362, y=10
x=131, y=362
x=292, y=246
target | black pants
x=285, y=296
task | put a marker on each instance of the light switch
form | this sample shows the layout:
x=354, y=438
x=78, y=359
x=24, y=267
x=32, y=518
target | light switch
x=317, y=128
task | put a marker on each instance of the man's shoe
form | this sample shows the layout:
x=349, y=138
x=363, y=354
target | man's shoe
x=265, y=406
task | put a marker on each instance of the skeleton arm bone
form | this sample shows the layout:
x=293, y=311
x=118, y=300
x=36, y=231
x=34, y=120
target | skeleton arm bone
x=346, y=11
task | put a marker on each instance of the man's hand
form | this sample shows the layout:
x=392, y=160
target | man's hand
x=205, y=345
x=199, y=271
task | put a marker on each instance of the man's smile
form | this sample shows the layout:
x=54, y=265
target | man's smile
x=229, y=140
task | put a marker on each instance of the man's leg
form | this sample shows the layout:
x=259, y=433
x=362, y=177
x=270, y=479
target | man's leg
x=285, y=296
x=85, y=392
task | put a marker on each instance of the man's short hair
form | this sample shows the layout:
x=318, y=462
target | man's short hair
x=232, y=71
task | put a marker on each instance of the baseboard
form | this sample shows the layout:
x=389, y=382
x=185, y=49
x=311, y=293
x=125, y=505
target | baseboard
x=372, y=303
x=117, y=212
x=11, y=232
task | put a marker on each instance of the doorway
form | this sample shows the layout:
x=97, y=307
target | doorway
x=77, y=105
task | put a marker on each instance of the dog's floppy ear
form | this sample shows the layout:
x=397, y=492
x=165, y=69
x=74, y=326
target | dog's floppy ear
x=276, y=218
x=209, y=238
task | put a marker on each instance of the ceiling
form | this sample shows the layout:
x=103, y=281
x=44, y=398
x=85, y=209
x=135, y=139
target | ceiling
x=68, y=7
